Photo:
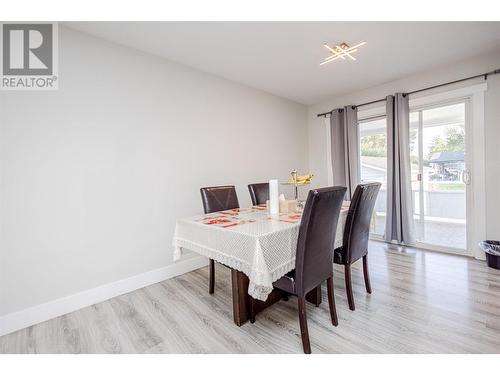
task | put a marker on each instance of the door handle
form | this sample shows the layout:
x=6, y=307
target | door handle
x=466, y=177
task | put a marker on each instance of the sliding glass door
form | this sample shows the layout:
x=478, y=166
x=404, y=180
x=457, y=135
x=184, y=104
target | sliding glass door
x=440, y=175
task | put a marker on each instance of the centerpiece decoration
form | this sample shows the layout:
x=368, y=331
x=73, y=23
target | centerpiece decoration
x=297, y=180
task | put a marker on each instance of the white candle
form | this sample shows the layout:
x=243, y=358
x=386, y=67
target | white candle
x=274, y=204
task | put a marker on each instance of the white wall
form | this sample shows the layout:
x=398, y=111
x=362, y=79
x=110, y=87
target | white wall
x=478, y=65
x=93, y=176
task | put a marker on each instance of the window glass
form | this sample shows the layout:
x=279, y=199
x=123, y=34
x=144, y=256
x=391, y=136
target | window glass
x=373, y=160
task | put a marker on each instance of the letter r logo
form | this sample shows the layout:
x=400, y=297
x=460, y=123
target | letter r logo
x=27, y=49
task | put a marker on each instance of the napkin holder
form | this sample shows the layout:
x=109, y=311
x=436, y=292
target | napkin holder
x=287, y=206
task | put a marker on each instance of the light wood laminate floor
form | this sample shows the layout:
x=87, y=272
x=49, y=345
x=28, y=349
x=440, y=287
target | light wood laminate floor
x=422, y=302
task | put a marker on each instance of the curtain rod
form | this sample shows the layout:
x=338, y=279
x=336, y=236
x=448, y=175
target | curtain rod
x=485, y=75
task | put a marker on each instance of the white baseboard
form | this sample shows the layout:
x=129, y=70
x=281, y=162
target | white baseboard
x=40, y=313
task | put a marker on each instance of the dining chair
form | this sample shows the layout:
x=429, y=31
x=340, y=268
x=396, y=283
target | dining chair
x=259, y=193
x=217, y=198
x=356, y=234
x=314, y=254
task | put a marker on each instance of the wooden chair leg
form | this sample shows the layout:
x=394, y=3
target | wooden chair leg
x=211, y=276
x=331, y=301
x=366, y=275
x=252, y=309
x=348, y=286
x=303, y=326
x=318, y=293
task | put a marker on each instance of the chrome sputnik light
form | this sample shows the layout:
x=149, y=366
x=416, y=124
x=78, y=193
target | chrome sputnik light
x=341, y=51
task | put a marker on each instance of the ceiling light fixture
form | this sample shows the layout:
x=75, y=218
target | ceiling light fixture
x=341, y=51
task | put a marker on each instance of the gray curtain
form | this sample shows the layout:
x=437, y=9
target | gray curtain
x=337, y=145
x=345, y=150
x=399, y=221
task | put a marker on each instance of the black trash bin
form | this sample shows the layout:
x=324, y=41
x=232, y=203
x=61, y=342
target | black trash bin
x=492, y=250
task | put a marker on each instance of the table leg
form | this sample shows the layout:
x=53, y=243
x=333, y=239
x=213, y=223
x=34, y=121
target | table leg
x=241, y=301
x=314, y=296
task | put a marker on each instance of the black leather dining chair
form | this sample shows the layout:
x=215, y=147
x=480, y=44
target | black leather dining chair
x=356, y=234
x=314, y=255
x=217, y=198
x=259, y=193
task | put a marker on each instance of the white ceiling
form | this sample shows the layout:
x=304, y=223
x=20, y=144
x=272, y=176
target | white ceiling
x=283, y=58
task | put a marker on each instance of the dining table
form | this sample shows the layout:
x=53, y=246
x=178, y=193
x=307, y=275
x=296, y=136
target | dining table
x=258, y=247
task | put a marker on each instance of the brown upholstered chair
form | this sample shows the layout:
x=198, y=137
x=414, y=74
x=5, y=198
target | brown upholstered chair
x=217, y=198
x=259, y=193
x=356, y=234
x=314, y=256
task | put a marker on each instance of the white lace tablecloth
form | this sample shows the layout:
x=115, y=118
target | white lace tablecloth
x=249, y=240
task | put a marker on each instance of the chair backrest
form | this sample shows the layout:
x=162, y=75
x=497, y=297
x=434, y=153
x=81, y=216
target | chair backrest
x=314, y=258
x=357, y=226
x=219, y=198
x=259, y=193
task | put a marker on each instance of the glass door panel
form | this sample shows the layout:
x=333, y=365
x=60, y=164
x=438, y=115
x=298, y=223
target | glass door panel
x=373, y=160
x=416, y=170
x=438, y=175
